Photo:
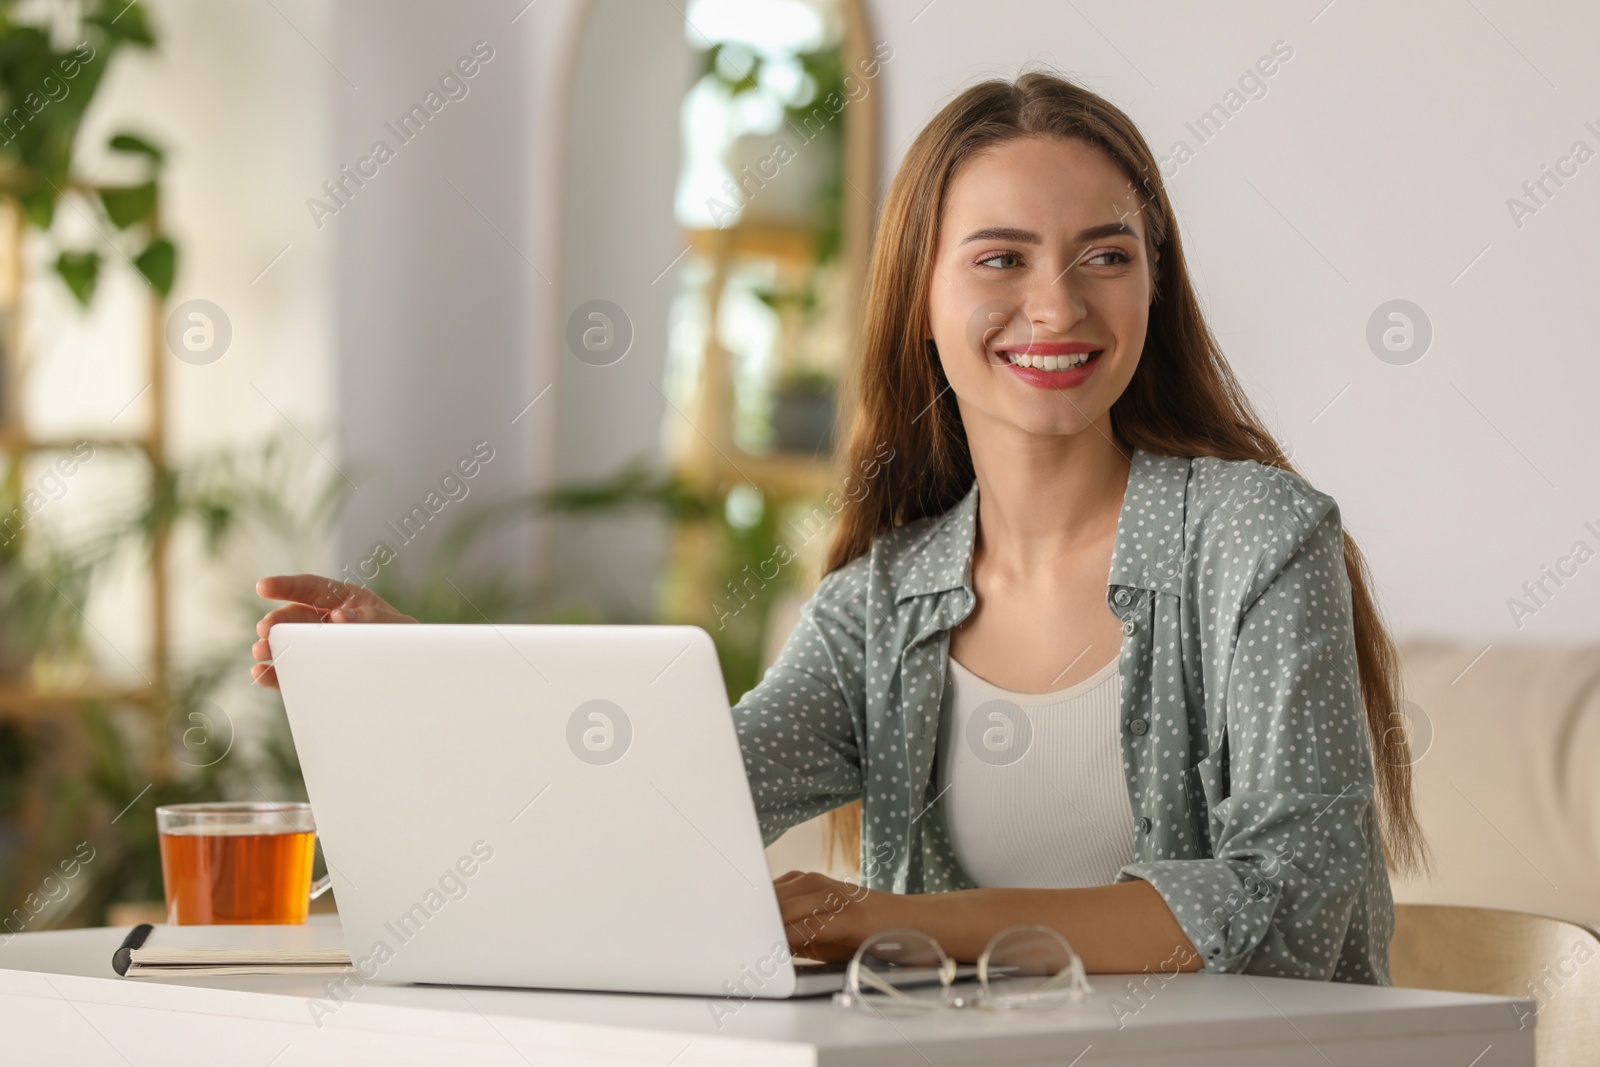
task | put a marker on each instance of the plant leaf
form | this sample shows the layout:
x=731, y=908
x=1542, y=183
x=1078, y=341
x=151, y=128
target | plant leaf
x=159, y=264
x=79, y=270
x=129, y=204
x=123, y=23
x=136, y=145
x=39, y=207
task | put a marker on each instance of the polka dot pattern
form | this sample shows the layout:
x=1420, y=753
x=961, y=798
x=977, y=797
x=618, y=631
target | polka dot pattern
x=1251, y=782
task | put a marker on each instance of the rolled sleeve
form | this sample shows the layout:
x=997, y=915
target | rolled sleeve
x=1288, y=784
x=799, y=727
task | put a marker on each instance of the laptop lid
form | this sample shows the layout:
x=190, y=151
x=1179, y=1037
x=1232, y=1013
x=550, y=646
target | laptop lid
x=560, y=807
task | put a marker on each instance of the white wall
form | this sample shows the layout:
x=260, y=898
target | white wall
x=437, y=278
x=549, y=184
x=618, y=237
x=1377, y=167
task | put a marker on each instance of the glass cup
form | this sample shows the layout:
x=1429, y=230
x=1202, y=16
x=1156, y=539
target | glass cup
x=237, y=862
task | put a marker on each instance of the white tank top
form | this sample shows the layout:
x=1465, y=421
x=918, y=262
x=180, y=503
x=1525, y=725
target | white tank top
x=1032, y=784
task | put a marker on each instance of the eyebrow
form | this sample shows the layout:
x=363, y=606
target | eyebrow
x=1009, y=233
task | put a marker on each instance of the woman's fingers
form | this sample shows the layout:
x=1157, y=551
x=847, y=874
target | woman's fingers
x=825, y=919
x=819, y=916
x=369, y=609
x=264, y=675
x=287, y=613
x=312, y=589
x=313, y=598
x=819, y=931
x=333, y=600
x=802, y=881
x=801, y=906
x=794, y=883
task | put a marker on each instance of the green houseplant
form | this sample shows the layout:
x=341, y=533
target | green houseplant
x=53, y=58
x=49, y=74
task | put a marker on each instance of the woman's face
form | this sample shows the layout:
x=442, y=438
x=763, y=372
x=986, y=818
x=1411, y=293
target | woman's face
x=1041, y=262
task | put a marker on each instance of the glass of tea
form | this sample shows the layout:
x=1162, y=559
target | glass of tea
x=237, y=862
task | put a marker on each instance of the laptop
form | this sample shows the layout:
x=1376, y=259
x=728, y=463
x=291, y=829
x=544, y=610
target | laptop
x=558, y=807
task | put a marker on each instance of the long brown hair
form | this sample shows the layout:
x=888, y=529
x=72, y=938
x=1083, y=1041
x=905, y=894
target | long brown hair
x=1183, y=399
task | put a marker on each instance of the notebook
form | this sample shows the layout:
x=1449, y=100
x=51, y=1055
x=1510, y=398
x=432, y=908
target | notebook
x=208, y=951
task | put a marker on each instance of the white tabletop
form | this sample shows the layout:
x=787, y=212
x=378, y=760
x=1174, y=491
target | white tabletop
x=60, y=1002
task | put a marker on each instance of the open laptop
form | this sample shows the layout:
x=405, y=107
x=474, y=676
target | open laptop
x=558, y=807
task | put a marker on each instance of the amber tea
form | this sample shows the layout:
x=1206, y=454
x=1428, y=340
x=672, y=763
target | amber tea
x=237, y=863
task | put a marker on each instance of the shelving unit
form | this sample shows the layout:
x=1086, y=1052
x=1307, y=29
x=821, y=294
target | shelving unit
x=18, y=445
x=711, y=456
x=23, y=699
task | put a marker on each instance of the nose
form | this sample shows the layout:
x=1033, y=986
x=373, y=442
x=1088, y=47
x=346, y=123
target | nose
x=1055, y=302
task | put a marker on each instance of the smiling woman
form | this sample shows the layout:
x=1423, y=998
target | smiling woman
x=1084, y=486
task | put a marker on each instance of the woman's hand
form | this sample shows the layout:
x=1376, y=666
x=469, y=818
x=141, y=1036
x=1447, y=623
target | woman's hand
x=313, y=598
x=827, y=919
x=1121, y=928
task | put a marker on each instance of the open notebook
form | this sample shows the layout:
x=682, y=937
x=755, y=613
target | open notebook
x=204, y=951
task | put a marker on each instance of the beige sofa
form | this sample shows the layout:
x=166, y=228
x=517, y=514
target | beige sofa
x=1507, y=786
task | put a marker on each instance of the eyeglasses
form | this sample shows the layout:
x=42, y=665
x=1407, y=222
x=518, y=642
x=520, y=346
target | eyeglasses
x=905, y=972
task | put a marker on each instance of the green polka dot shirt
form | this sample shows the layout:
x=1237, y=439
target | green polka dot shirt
x=1244, y=744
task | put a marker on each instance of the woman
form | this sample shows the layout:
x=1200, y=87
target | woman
x=1084, y=548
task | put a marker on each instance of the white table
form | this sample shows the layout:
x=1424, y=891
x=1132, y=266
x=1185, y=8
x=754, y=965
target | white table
x=60, y=1002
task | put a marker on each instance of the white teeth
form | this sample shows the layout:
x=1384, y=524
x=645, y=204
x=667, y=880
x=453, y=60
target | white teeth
x=1021, y=359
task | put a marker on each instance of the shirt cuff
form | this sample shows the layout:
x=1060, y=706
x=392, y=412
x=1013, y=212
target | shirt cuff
x=1225, y=909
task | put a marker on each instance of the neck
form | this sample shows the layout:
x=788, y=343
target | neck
x=1043, y=497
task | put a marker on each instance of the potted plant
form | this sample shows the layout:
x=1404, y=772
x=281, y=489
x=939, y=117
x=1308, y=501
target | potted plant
x=803, y=412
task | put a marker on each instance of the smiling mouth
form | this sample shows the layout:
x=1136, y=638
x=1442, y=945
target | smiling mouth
x=1057, y=362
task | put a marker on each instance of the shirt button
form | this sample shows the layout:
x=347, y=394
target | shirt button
x=1123, y=597
x=1142, y=825
x=1139, y=726
x=1127, y=627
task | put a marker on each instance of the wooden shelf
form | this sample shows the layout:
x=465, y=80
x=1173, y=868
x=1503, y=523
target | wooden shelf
x=785, y=474
x=22, y=702
x=19, y=441
x=791, y=244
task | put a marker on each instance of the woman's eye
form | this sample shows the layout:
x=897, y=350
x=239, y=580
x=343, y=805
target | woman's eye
x=1120, y=257
x=990, y=260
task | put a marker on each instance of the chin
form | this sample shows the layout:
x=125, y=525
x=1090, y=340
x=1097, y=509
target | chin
x=1051, y=423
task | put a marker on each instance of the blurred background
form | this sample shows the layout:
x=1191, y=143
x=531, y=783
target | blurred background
x=275, y=275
